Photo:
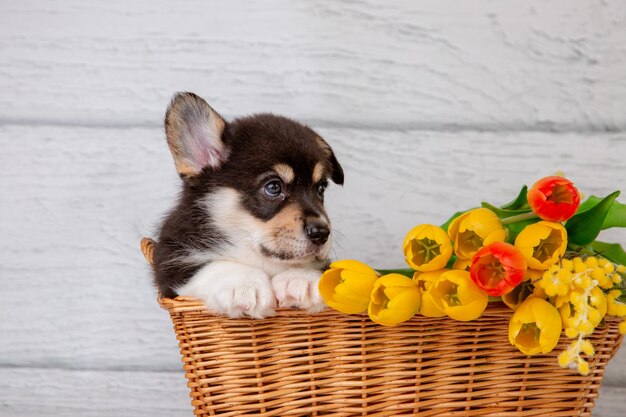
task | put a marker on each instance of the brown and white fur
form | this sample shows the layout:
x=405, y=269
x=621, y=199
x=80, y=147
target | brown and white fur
x=249, y=233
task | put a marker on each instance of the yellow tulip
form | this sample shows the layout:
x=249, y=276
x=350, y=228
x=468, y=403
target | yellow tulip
x=347, y=285
x=532, y=275
x=424, y=280
x=463, y=264
x=524, y=290
x=395, y=298
x=535, y=327
x=427, y=248
x=473, y=230
x=542, y=244
x=539, y=292
x=455, y=294
x=517, y=296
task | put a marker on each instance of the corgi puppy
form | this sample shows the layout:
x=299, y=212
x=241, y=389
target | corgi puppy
x=249, y=232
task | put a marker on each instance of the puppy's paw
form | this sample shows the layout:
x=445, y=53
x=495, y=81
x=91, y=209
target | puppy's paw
x=297, y=288
x=253, y=297
x=232, y=289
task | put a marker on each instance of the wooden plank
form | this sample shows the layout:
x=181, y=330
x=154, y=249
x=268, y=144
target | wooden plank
x=63, y=393
x=76, y=292
x=615, y=374
x=611, y=402
x=486, y=65
x=26, y=392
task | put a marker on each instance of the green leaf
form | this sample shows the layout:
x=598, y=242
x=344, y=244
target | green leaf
x=503, y=213
x=611, y=251
x=616, y=217
x=515, y=228
x=407, y=272
x=451, y=219
x=451, y=261
x=588, y=203
x=585, y=226
x=520, y=201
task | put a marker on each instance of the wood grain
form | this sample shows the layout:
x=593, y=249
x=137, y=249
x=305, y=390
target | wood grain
x=610, y=403
x=77, y=292
x=484, y=65
x=26, y=392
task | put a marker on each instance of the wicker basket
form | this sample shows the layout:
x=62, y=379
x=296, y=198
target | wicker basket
x=338, y=365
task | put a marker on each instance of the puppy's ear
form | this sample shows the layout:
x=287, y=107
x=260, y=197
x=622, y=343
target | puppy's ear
x=194, y=134
x=336, y=169
x=337, y=173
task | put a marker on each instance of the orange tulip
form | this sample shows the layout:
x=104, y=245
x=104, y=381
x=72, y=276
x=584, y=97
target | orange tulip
x=498, y=268
x=554, y=199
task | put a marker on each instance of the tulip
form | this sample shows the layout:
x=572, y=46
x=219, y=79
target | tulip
x=463, y=264
x=475, y=229
x=535, y=327
x=533, y=275
x=526, y=288
x=554, y=199
x=424, y=280
x=455, y=294
x=427, y=248
x=518, y=295
x=347, y=285
x=539, y=292
x=498, y=268
x=394, y=299
x=542, y=244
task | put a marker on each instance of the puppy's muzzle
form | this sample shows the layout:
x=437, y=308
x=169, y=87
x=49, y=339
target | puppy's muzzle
x=317, y=232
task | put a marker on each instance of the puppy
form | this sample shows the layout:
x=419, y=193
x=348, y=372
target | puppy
x=249, y=232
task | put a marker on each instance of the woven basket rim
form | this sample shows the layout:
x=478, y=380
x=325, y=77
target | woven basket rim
x=181, y=304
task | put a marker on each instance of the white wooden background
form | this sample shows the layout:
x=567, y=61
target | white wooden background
x=430, y=106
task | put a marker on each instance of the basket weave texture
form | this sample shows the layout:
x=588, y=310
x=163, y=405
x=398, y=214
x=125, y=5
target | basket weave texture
x=330, y=364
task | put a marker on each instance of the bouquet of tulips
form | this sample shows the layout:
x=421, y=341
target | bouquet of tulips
x=538, y=254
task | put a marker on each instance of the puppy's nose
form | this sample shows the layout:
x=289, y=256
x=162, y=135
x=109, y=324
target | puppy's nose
x=317, y=232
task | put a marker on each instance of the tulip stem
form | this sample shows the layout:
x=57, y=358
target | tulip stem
x=582, y=250
x=519, y=217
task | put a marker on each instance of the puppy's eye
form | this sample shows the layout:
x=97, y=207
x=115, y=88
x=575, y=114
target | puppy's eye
x=273, y=188
x=321, y=188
